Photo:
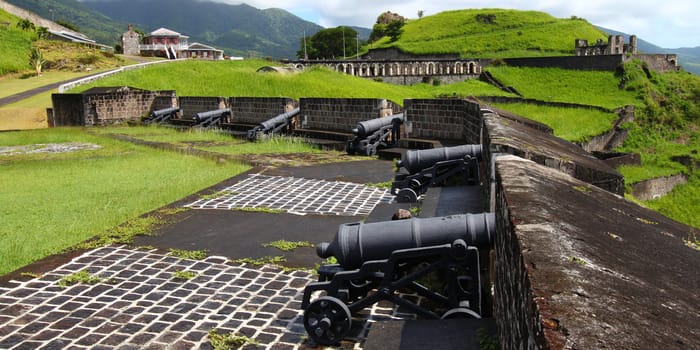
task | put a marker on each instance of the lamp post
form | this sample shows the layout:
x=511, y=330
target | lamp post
x=52, y=18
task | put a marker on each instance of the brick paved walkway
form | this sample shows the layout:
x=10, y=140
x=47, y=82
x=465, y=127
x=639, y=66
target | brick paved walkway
x=298, y=196
x=141, y=305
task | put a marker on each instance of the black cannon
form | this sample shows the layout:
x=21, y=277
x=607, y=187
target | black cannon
x=162, y=115
x=421, y=169
x=210, y=119
x=272, y=125
x=440, y=259
x=374, y=133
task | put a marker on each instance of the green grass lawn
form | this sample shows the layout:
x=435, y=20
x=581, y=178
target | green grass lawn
x=52, y=202
x=595, y=88
x=215, y=141
x=571, y=124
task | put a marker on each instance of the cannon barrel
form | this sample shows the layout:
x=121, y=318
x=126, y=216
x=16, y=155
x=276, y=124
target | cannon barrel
x=356, y=243
x=164, y=111
x=364, y=128
x=278, y=120
x=202, y=116
x=417, y=160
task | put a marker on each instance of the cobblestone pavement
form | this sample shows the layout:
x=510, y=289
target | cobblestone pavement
x=297, y=196
x=140, y=304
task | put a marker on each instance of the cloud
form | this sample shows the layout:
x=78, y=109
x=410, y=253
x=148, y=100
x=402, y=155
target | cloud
x=670, y=23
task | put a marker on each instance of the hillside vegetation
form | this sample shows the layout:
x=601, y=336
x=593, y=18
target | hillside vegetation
x=493, y=33
x=15, y=44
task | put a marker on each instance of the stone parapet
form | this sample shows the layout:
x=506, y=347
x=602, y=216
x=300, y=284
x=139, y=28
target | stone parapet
x=580, y=268
x=342, y=114
x=254, y=110
x=444, y=119
x=504, y=136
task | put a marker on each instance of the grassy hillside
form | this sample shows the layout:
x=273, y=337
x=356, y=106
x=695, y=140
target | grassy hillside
x=493, y=33
x=92, y=23
x=667, y=124
x=15, y=45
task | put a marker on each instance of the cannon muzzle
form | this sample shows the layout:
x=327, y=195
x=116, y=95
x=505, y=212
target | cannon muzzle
x=356, y=243
x=417, y=160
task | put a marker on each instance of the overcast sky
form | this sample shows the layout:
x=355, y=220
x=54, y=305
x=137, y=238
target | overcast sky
x=669, y=24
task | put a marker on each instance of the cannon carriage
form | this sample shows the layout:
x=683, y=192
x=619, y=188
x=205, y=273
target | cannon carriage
x=375, y=133
x=421, y=169
x=383, y=260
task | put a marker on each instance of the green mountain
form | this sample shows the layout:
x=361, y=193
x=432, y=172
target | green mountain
x=237, y=29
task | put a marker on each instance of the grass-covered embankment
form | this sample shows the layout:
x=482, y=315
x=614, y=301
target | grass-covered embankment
x=240, y=78
x=51, y=202
x=667, y=108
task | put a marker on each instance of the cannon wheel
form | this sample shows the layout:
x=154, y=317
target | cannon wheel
x=327, y=320
x=406, y=195
x=460, y=312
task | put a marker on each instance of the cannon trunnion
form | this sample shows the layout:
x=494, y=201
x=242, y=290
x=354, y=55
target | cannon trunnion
x=381, y=261
x=374, y=133
x=421, y=169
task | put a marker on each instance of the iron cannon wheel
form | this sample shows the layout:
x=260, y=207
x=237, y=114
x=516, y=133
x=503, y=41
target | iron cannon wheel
x=406, y=195
x=460, y=312
x=327, y=320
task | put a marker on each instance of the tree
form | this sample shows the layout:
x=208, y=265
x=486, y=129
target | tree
x=330, y=43
x=420, y=14
x=394, y=30
x=388, y=24
x=36, y=60
x=25, y=24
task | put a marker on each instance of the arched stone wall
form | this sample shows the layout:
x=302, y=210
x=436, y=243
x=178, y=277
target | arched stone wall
x=402, y=70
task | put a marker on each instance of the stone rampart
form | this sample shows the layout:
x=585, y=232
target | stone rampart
x=604, y=62
x=444, y=119
x=505, y=137
x=105, y=106
x=658, y=187
x=254, y=110
x=660, y=62
x=342, y=114
x=192, y=105
x=581, y=268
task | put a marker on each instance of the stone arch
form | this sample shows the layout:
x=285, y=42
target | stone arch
x=431, y=68
x=472, y=68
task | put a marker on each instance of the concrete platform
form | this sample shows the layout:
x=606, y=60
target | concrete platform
x=456, y=334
